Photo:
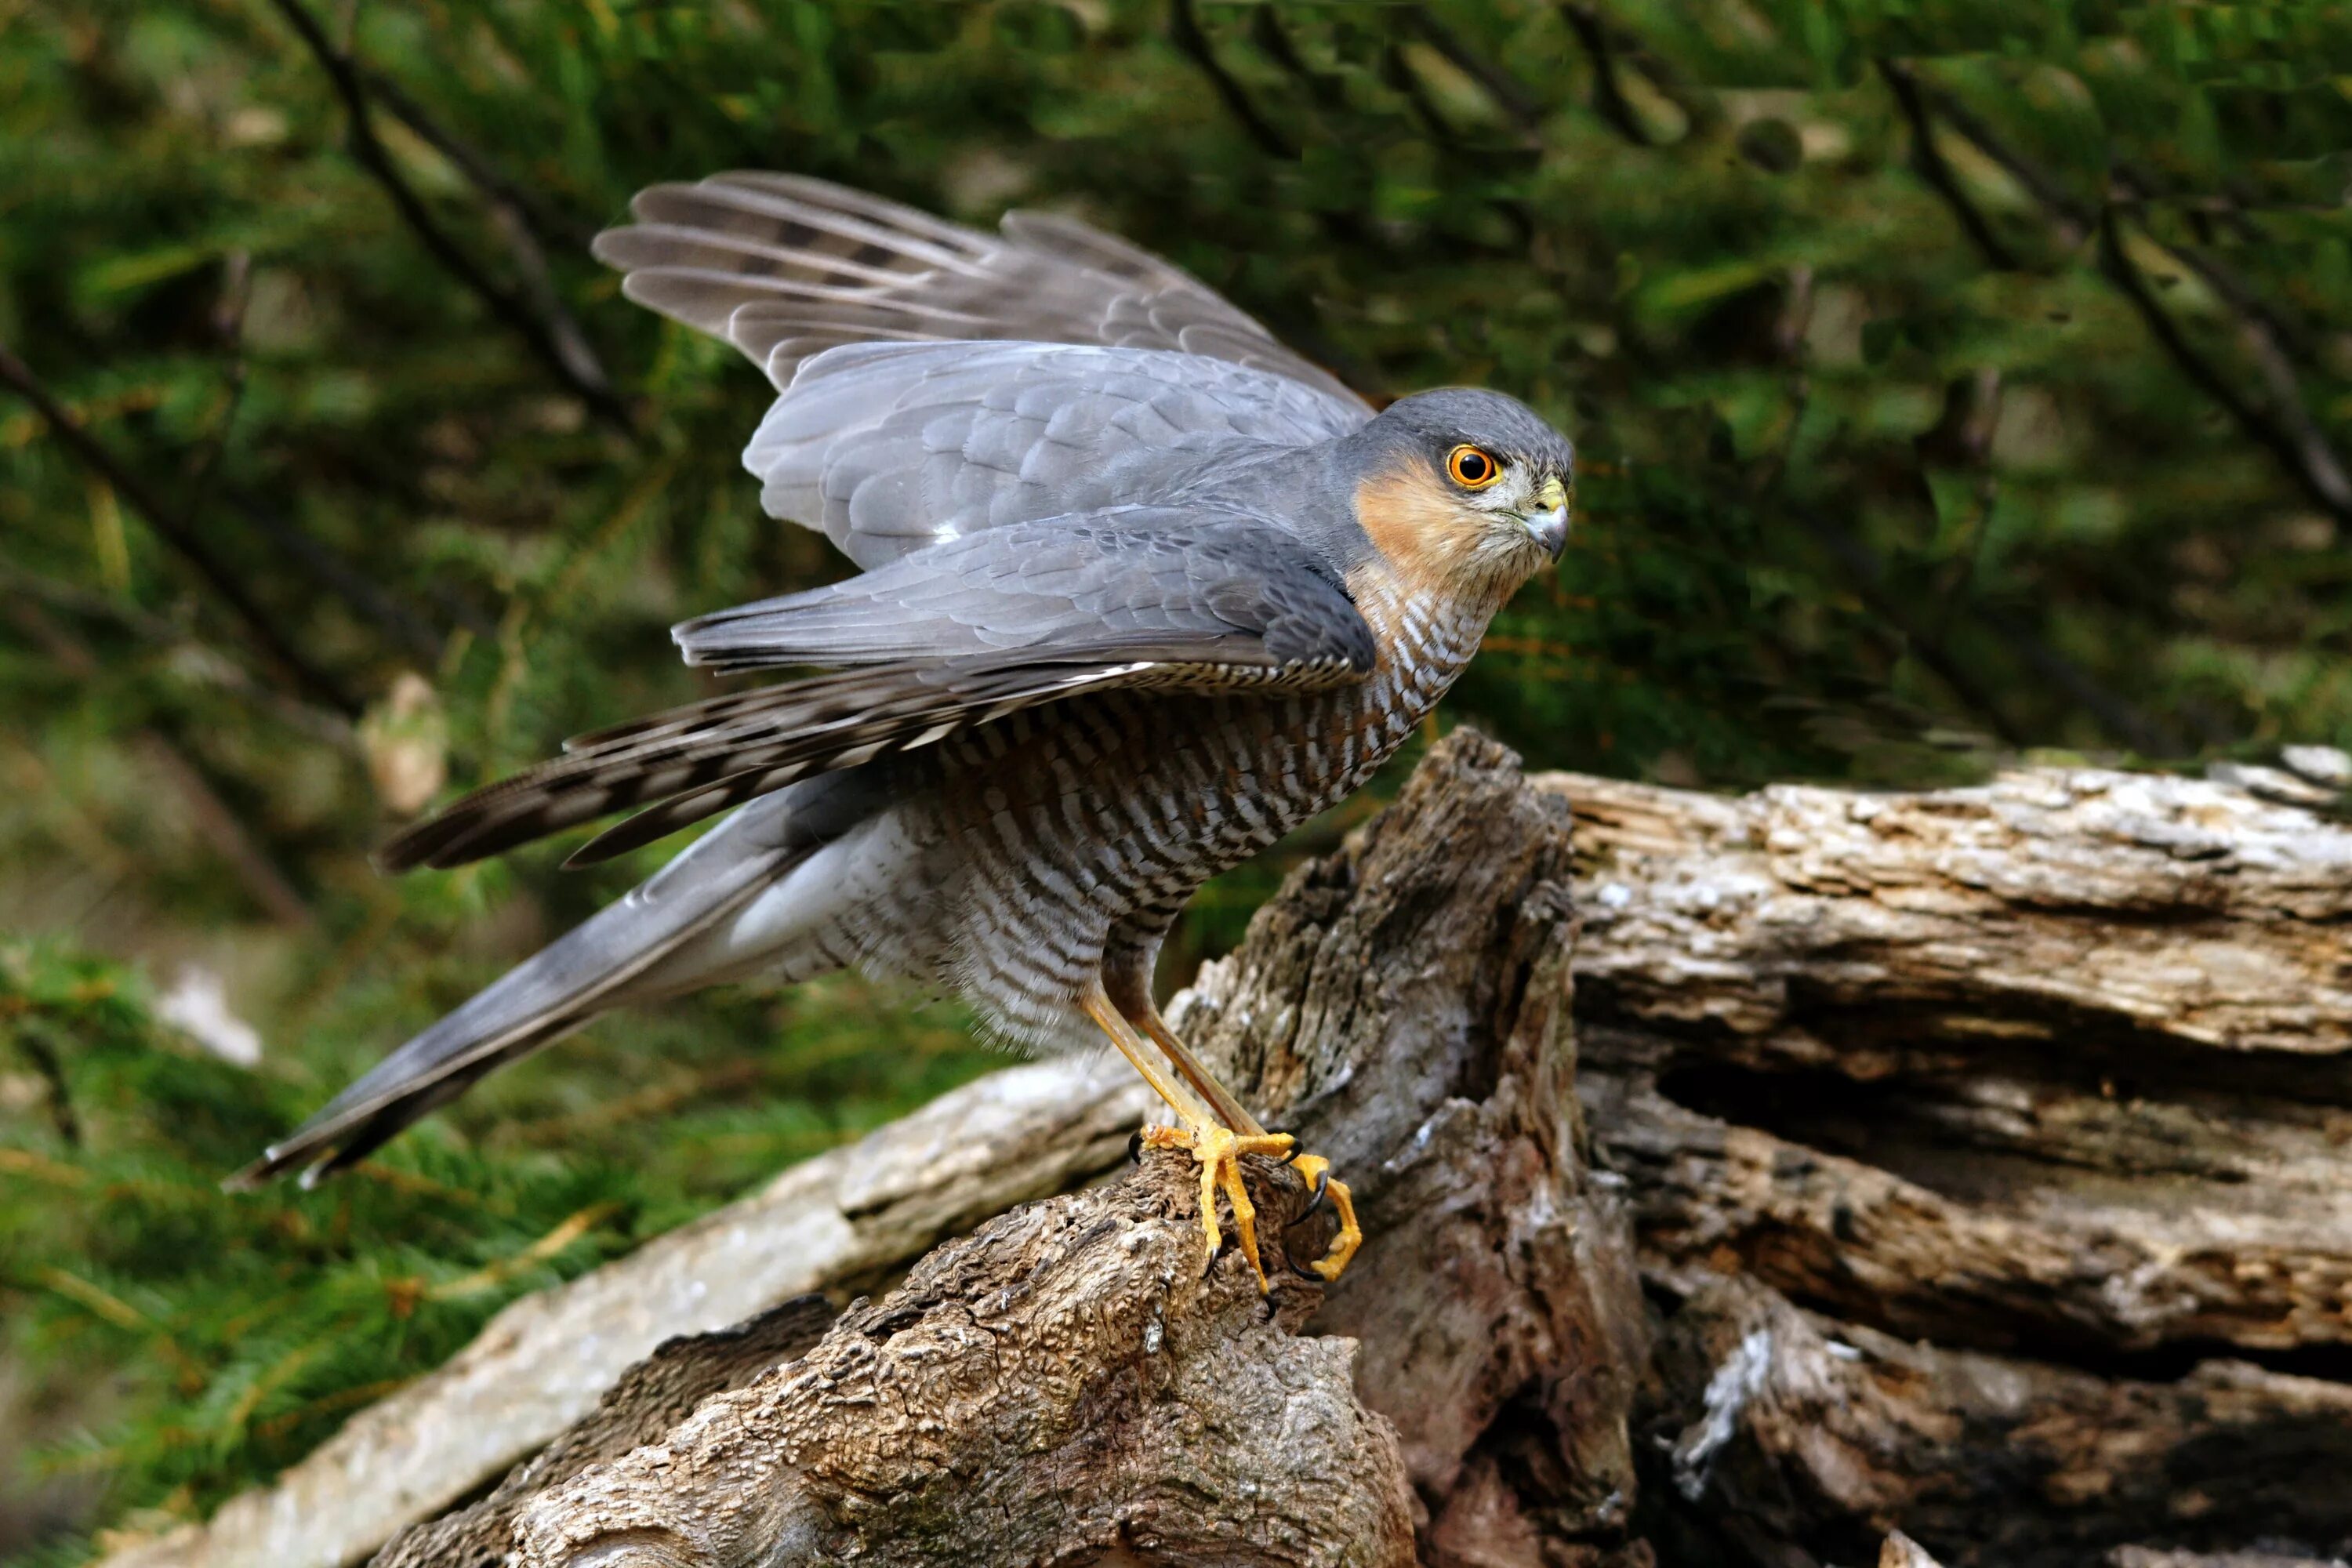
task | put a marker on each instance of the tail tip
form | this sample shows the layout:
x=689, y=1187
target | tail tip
x=274, y=1162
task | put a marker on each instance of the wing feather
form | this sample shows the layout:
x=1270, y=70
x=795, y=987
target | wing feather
x=746, y=256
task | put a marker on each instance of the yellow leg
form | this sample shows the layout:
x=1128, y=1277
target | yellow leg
x=1334, y=1261
x=1196, y=1072
x=1217, y=1148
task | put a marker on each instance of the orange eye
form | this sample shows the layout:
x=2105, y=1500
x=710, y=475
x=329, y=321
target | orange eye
x=1473, y=468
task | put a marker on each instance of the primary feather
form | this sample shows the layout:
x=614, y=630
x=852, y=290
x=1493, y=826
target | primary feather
x=784, y=266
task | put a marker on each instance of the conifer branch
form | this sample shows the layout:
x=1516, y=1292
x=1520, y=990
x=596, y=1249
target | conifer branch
x=177, y=532
x=565, y=354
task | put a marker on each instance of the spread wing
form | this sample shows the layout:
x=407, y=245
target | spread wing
x=935, y=380
x=784, y=266
x=964, y=634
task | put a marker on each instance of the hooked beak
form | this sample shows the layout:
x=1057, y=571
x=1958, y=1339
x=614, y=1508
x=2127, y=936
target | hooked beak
x=1549, y=530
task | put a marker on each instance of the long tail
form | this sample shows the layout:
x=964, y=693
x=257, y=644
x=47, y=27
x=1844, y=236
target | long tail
x=615, y=956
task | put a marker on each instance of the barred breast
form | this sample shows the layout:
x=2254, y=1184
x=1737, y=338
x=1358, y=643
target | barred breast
x=1061, y=842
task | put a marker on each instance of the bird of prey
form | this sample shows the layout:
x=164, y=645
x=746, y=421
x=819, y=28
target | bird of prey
x=1142, y=590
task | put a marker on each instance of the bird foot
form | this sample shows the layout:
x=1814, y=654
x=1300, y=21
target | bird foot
x=1316, y=1170
x=1218, y=1151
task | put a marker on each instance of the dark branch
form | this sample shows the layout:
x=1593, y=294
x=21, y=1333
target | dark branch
x=176, y=531
x=569, y=360
x=1185, y=28
x=520, y=220
x=2275, y=346
x=2044, y=187
x=34, y=1041
x=2284, y=428
x=1609, y=100
x=2296, y=442
x=1499, y=84
x=485, y=178
x=1928, y=160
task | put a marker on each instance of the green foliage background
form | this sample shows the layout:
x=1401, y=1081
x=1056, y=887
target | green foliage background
x=1951, y=379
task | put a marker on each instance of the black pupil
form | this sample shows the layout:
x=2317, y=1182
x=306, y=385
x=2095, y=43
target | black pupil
x=1474, y=466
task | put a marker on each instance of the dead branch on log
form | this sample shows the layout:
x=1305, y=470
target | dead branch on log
x=652, y=1396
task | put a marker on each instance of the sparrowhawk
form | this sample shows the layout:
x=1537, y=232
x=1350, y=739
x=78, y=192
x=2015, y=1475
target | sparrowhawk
x=1142, y=590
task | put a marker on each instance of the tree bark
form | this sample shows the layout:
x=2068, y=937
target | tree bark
x=1991, y=1162
x=1064, y=1387
x=1960, y=1177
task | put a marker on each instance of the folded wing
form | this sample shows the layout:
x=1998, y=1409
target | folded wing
x=943, y=641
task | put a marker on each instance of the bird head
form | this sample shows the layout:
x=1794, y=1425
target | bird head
x=1464, y=488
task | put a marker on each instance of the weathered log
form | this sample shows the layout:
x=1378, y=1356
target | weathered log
x=2065, y=1061
x=1404, y=1004
x=1402, y=1007
x=2060, y=1068
x=1793, y=1438
x=846, y=1218
x=651, y=1398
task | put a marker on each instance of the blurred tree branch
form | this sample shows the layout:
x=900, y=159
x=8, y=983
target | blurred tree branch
x=500, y=191
x=1509, y=95
x=549, y=331
x=178, y=532
x=1609, y=100
x=213, y=819
x=1184, y=27
x=1928, y=160
x=2284, y=428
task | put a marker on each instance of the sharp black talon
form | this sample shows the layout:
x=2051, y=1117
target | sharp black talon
x=1215, y=1259
x=1267, y=1298
x=1322, y=1180
x=1302, y=1270
x=1135, y=1147
x=1296, y=1149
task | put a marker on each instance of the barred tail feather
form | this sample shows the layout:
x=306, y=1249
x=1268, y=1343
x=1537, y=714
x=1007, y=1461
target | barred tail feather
x=602, y=964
